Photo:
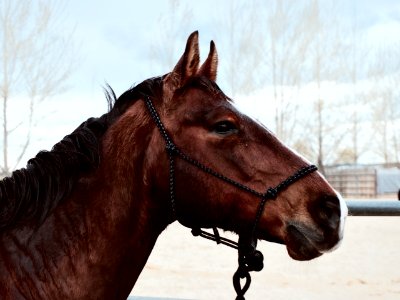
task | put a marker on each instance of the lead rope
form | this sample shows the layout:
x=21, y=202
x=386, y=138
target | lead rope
x=249, y=259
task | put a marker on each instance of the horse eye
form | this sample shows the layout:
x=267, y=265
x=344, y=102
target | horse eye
x=224, y=128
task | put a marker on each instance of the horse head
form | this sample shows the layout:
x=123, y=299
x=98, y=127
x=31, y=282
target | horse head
x=307, y=216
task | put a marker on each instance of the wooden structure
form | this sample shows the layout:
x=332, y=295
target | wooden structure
x=353, y=182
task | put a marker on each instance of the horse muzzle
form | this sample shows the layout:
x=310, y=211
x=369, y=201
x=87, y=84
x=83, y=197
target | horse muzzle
x=308, y=240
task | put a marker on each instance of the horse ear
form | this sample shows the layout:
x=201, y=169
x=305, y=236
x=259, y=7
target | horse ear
x=187, y=65
x=209, y=67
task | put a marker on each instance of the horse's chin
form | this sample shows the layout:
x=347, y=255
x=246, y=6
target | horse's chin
x=299, y=245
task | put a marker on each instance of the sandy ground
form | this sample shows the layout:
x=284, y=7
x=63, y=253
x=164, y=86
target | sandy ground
x=366, y=266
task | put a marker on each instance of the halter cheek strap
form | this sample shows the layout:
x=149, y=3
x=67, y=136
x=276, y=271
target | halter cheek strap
x=249, y=259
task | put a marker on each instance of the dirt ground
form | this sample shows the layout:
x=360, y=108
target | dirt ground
x=366, y=266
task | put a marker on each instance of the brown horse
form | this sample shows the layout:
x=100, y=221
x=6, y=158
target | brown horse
x=81, y=220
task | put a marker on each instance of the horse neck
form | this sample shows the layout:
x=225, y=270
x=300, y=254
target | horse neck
x=99, y=239
x=130, y=214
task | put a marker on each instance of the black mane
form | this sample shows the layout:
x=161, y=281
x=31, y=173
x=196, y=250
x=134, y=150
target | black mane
x=31, y=193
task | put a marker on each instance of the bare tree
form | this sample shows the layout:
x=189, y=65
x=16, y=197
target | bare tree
x=286, y=45
x=325, y=49
x=34, y=66
x=355, y=69
x=240, y=69
x=174, y=21
x=303, y=46
x=384, y=102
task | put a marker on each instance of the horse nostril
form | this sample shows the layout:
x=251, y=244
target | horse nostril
x=326, y=211
x=330, y=210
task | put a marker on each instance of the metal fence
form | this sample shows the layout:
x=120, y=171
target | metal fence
x=373, y=208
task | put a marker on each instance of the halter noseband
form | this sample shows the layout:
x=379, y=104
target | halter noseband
x=249, y=259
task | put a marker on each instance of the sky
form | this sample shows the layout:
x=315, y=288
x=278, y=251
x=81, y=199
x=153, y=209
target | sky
x=113, y=43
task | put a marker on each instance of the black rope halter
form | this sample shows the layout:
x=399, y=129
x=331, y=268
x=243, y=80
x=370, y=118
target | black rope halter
x=249, y=259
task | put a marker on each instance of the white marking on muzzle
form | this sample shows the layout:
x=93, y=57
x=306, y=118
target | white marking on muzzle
x=343, y=215
x=344, y=211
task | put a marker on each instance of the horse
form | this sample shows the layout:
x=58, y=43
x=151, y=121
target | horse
x=80, y=221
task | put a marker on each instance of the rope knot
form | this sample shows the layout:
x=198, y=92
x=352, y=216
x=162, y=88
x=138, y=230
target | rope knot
x=196, y=231
x=255, y=261
x=272, y=193
x=170, y=147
